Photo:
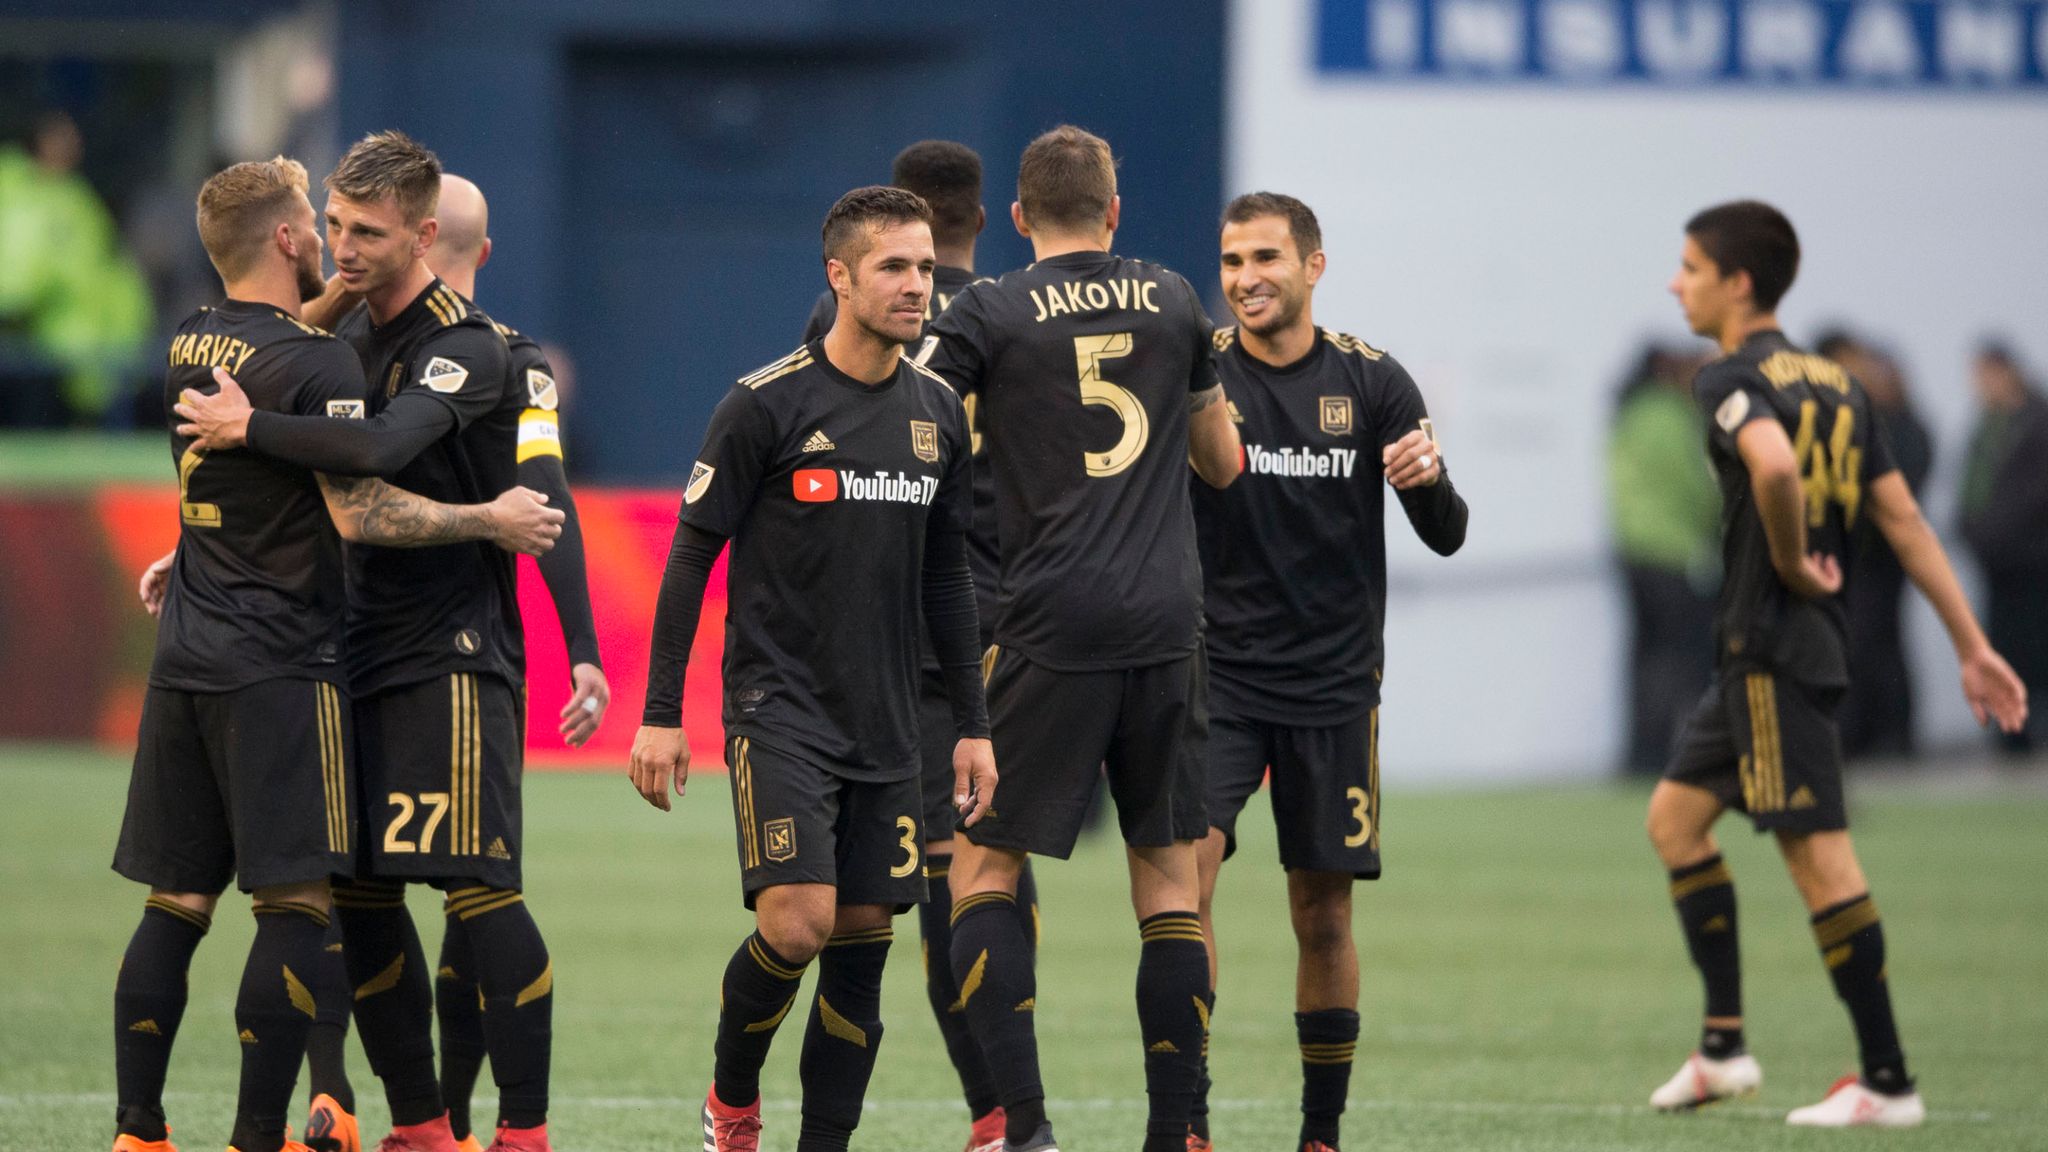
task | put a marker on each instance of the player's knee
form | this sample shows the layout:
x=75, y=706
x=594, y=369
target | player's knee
x=1320, y=907
x=200, y=902
x=797, y=932
x=307, y=894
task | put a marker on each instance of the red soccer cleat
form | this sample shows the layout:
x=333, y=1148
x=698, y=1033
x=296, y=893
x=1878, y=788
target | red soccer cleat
x=729, y=1129
x=1198, y=1143
x=534, y=1139
x=987, y=1133
x=431, y=1136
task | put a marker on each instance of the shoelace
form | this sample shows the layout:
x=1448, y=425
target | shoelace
x=736, y=1133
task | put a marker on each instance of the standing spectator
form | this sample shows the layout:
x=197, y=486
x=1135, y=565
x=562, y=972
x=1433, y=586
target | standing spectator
x=1877, y=713
x=2005, y=522
x=1666, y=516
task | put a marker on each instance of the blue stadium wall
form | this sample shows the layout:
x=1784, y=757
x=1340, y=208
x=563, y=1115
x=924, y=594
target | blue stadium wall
x=658, y=171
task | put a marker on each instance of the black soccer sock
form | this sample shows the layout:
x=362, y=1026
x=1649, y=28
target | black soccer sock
x=1851, y=941
x=394, y=999
x=934, y=921
x=273, y=1013
x=1198, y=1109
x=518, y=982
x=459, y=1010
x=326, y=1057
x=1328, y=1038
x=843, y=1037
x=1027, y=904
x=1173, y=979
x=1704, y=895
x=992, y=960
x=758, y=990
x=149, y=1000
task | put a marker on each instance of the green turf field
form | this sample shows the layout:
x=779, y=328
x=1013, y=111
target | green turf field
x=1525, y=986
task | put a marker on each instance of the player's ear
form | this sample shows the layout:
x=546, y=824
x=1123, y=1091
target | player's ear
x=839, y=276
x=281, y=235
x=483, y=255
x=1017, y=219
x=1116, y=207
x=424, y=238
x=980, y=219
x=1315, y=264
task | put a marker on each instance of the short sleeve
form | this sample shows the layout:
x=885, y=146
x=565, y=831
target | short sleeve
x=1399, y=409
x=1731, y=397
x=1877, y=454
x=464, y=367
x=739, y=449
x=957, y=344
x=327, y=379
x=1202, y=372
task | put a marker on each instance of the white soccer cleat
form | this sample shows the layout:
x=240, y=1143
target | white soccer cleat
x=1851, y=1104
x=1703, y=1080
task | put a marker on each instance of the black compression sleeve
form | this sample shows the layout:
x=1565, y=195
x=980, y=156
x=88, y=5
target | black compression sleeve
x=690, y=558
x=950, y=621
x=378, y=447
x=1438, y=515
x=562, y=566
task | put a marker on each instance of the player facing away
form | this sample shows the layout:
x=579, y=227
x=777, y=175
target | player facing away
x=1799, y=457
x=839, y=474
x=1094, y=375
x=948, y=176
x=243, y=766
x=1294, y=573
x=437, y=656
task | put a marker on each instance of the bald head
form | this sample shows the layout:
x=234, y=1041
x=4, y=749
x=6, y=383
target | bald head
x=463, y=243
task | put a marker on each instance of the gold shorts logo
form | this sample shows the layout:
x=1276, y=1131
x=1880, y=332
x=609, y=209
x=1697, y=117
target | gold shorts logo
x=924, y=440
x=780, y=836
x=1336, y=415
x=467, y=642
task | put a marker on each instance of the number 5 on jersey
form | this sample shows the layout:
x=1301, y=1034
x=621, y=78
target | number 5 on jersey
x=1089, y=353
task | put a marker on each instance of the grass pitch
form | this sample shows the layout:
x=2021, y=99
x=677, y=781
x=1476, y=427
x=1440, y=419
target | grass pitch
x=1524, y=983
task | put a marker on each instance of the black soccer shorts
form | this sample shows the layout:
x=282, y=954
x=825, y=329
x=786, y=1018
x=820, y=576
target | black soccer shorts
x=798, y=823
x=937, y=737
x=441, y=762
x=1766, y=745
x=1057, y=732
x=252, y=784
x=1326, y=788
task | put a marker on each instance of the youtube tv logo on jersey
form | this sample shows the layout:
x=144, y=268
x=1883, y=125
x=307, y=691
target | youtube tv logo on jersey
x=815, y=485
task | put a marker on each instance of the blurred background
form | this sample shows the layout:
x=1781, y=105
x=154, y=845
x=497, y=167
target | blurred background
x=1501, y=183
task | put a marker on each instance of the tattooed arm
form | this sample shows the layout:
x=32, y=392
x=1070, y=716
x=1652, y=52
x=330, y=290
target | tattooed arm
x=1212, y=438
x=369, y=511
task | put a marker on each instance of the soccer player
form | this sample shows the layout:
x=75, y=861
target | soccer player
x=948, y=176
x=437, y=654
x=1799, y=459
x=1095, y=376
x=1294, y=572
x=242, y=764
x=840, y=475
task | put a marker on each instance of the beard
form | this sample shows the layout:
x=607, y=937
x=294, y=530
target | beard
x=312, y=281
x=1286, y=310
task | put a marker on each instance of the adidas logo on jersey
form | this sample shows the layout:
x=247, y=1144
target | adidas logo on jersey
x=497, y=850
x=1330, y=462
x=819, y=442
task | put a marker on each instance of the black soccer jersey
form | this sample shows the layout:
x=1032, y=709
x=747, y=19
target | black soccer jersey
x=828, y=488
x=1840, y=450
x=1294, y=557
x=981, y=538
x=256, y=591
x=1082, y=365
x=419, y=613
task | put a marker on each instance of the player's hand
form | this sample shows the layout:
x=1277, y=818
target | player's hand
x=1818, y=575
x=660, y=755
x=585, y=710
x=155, y=579
x=974, y=779
x=330, y=306
x=1994, y=690
x=1413, y=461
x=524, y=522
x=217, y=422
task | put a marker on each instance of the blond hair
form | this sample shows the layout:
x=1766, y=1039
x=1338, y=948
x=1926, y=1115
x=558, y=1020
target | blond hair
x=390, y=164
x=240, y=207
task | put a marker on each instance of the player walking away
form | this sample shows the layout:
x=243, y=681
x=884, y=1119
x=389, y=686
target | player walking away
x=1792, y=441
x=948, y=176
x=1095, y=375
x=242, y=764
x=1294, y=572
x=437, y=656
x=840, y=475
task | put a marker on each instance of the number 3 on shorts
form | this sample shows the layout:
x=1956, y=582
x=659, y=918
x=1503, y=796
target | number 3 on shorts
x=1361, y=811
x=908, y=843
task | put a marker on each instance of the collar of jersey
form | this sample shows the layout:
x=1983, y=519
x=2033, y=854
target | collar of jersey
x=832, y=373
x=1307, y=360
x=410, y=314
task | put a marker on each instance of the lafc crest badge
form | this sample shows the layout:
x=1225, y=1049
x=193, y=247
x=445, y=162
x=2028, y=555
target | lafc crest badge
x=540, y=390
x=779, y=839
x=700, y=482
x=345, y=409
x=444, y=375
x=1336, y=415
x=924, y=440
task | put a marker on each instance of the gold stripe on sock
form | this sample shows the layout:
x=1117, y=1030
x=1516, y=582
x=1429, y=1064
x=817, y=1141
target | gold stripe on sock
x=972, y=983
x=478, y=909
x=383, y=981
x=1701, y=881
x=301, y=998
x=768, y=965
x=868, y=936
x=1837, y=928
x=840, y=1026
x=199, y=920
